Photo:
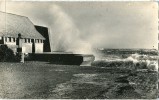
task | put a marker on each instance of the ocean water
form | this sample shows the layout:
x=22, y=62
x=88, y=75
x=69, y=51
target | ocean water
x=136, y=56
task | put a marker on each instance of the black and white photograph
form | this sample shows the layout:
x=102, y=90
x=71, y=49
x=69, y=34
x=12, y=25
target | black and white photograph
x=78, y=49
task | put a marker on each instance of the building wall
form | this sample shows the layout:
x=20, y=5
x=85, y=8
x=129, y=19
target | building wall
x=27, y=44
x=27, y=47
x=12, y=45
x=39, y=47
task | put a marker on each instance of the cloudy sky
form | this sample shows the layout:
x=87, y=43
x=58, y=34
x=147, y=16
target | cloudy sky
x=93, y=24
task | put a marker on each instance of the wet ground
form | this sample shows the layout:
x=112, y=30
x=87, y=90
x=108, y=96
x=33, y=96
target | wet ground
x=39, y=80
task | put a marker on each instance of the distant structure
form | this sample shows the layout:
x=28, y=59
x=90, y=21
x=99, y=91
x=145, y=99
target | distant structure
x=35, y=39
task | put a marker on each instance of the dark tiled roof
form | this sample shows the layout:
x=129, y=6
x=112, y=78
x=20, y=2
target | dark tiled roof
x=11, y=25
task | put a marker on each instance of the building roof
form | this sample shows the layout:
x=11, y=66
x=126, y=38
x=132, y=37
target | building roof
x=11, y=25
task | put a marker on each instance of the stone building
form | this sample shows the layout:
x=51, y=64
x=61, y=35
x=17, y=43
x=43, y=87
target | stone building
x=32, y=40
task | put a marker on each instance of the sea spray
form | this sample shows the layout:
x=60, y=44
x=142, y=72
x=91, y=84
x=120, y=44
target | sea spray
x=151, y=61
x=68, y=35
x=139, y=61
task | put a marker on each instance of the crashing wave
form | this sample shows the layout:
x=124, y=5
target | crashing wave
x=151, y=61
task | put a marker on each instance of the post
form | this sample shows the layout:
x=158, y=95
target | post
x=19, y=49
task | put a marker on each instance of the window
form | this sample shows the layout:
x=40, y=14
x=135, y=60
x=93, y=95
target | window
x=41, y=41
x=32, y=40
x=28, y=40
x=10, y=39
x=13, y=39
